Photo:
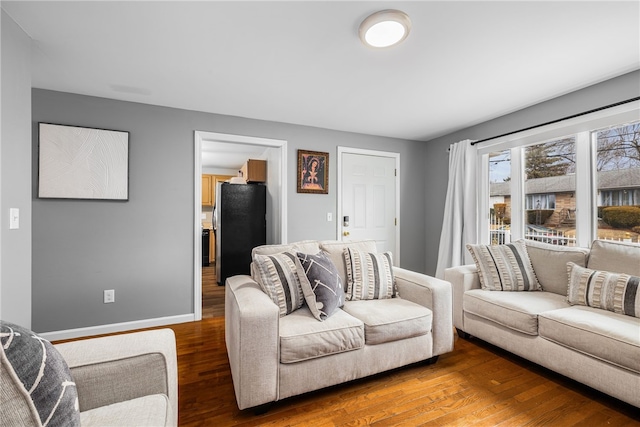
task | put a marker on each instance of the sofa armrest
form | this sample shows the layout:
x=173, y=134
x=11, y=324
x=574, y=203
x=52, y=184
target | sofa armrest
x=434, y=294
x=462, y=278
x=118, y=368
x=252, y=338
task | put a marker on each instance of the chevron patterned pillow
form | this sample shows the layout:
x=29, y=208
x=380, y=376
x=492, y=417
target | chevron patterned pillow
x=321, y=284
x=37, y=387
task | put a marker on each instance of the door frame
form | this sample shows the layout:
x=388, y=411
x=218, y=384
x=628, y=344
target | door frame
x=199, y=137
x=366, y=152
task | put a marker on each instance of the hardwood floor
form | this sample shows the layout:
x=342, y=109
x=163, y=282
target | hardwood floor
x=212, y=293
x=476, y=384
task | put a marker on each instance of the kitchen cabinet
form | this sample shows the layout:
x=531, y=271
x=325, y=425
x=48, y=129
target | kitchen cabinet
x=209, y=183
x=255, y=170
x=207, y=190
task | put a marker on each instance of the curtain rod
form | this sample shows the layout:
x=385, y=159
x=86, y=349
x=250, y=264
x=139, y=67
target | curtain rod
x=558, y=120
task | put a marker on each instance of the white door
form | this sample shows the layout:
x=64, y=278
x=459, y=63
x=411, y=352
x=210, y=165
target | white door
x=369, y=200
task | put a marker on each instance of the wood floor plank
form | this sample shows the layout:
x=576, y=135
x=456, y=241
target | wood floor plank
x=212, y=293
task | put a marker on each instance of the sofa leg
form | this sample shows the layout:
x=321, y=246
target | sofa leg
x=262, y=409
x=462, y=334
x=432, y=360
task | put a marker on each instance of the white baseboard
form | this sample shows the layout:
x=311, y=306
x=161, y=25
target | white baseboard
x=116, y=327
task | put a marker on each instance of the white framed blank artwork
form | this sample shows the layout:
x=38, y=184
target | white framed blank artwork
x=83, y=163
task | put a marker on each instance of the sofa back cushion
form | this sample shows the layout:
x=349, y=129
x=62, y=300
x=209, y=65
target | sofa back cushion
x=335, y=249
x=616, y=257
x=306, y=246
x=550, y=264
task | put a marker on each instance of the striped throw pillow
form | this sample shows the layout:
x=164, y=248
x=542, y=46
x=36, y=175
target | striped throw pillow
x=504, y=267
x=615, y=292
x=369, y=275
x=279, y=279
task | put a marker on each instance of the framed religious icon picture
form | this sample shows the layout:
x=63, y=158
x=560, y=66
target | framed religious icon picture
x=313, y=172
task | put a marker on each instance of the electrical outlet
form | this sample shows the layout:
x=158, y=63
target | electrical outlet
x=109, y=296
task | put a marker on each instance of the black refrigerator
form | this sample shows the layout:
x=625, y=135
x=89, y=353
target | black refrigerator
x=239, y=224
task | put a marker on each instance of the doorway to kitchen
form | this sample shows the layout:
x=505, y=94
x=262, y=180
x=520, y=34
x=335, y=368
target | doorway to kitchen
x=228, y=147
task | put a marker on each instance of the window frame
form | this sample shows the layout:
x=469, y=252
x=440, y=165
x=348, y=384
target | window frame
x=583, y=128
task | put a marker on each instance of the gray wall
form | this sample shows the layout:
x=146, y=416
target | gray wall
x=15, y=174
x=143, y=248
x=608, y=92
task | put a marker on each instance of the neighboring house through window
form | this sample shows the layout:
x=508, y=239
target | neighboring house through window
x=557, y=183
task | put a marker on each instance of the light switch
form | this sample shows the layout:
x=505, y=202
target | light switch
x=329, y=216
x=14, y=218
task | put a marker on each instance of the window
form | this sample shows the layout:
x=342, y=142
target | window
x=540, y=201
x=500, y=196
x=549, y=188
x=627, y=197
x=566, y=183
x=618, y=182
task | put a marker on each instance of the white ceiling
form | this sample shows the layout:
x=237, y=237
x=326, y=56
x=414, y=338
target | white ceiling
x=302, y=62
x=227, y=155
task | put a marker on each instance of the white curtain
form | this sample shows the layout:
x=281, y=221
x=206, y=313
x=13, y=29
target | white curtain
x=459, y=225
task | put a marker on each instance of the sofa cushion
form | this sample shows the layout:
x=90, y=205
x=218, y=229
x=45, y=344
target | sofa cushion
x=36, y=383
x=391, y=319
x=616, y=257
x=504, y=267
x=611, y=337
x=615, y=292
x=152, y=410
x=515, y=310
x=335, y=249
x=306, y=246
x=302, y=337
x=321, y=284
x=549, y=262
x=279, y=279
x=369, y=275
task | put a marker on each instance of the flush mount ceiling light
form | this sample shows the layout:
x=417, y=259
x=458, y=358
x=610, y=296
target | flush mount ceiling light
x=385, y=28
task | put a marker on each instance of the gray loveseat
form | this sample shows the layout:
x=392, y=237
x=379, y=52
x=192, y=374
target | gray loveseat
x=597, y=347
x=273, y=357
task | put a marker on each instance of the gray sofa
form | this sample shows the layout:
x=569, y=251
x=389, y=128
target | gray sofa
x=597, y=347
x=121, y=380
x=274, y=357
